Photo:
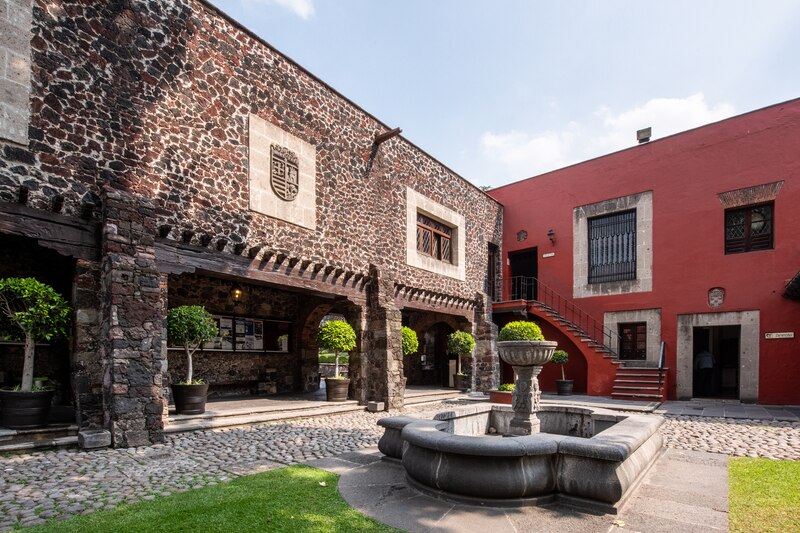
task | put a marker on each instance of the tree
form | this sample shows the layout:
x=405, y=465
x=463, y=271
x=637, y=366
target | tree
x=336, y=336
x=31, y=310
x=190, y=326
x=460, y=343
x=410, y=341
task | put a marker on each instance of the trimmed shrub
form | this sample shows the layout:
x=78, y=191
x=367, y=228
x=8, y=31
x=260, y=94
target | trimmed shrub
x=31, y=310
x=506, y=387
x=190, y=326
x=410, y=341
x=461, y=343
x=336, y=336
x=521, y=330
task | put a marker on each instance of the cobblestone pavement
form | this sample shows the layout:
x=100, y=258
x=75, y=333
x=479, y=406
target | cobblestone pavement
x=58, y=484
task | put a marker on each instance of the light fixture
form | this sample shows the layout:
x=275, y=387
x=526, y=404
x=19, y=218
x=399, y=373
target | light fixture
x=551, y=235
x=236, y=294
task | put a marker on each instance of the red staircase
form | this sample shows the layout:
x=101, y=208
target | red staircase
x=640, y=383
x=576, y=331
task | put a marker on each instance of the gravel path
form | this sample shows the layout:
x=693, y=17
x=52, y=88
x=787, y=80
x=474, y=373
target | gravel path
x=59, y=484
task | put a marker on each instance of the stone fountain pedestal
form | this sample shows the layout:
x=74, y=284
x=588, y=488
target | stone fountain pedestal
x=527, y=358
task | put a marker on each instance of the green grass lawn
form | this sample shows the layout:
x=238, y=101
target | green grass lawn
x=288, y=499
x=764, y=495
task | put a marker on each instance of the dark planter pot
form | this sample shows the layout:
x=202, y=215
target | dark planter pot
x=500, y=396
x=25, y=410
x=564, y=387
x=190, y=399
x=461, y=382
x=336, y=389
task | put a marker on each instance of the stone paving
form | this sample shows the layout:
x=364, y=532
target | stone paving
x=59, y=484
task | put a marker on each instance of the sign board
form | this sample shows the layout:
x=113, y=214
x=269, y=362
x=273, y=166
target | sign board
x=550, y=254
x=780, y=335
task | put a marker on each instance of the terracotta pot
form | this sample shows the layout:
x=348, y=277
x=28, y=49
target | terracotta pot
x=500, y=396
x=190, y=399
x=564, y=387
x=526, y=353
x=336, y=389
x=24, y=410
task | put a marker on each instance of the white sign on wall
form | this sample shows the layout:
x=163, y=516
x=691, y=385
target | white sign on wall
x=780, y=335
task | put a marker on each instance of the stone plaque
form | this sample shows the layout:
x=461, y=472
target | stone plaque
x=716, y=297
x=522, y=235
x=284, y=175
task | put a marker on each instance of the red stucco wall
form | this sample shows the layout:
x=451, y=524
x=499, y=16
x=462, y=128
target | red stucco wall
x=686, y=172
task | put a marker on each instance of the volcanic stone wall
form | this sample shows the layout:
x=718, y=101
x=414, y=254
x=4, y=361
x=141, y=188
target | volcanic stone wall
x=154, y=98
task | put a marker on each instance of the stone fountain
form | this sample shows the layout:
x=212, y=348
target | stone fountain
x=526, y=358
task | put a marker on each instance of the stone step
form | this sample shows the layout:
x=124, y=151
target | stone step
x=181, y=423
x=633, y=395
x=417, y=399
x=51, y=436
x=630, y=388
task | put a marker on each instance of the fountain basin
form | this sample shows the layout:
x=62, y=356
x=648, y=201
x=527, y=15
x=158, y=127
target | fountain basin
x=589, y=458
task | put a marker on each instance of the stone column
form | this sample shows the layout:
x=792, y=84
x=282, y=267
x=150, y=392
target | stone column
x=133, y=315
x=87, y=368
x=383, y=367
x=487, y=360
x=525, y=400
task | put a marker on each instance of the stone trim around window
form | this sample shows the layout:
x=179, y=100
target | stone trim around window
x=417, y=203
x=757, y=194
x=612, y=320
x=643, y=204
x=15, y=70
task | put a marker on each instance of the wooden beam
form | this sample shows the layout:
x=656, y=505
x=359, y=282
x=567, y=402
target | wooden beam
x=69, y=236
x=175, y=258
x=383, y=137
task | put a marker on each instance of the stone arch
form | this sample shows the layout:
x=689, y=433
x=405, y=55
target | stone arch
x=432, y=329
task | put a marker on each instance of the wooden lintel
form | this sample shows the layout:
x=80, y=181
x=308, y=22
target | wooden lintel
x=383, y=137
x=174, y=258
x=66, y=235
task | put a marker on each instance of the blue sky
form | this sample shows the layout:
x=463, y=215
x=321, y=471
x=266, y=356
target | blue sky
x=504, y=90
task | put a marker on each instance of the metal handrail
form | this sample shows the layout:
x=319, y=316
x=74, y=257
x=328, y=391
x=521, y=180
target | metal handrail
x=662, y=360
x=531, y=289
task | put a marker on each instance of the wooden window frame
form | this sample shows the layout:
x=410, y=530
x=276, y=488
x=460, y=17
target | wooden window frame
x=750, y=242
x=437, y=236
x=633, y=352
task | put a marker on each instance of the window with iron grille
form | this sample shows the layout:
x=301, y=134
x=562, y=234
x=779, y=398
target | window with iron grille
x=434, y=238
x=612, y=247
x=633, y=340
x=748, y=229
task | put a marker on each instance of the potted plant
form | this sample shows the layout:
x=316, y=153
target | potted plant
x=502, y=394
x=563, y=385
x=460, y=343
x=189, y=326
x=521, y=343
x=336, y=336
x=29, y=310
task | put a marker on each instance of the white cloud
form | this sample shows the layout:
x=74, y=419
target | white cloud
x=518, y=154
x=302, y=8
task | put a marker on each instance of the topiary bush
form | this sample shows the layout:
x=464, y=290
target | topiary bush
x=560, y=357
x=506, y=387
x=410, y=341
x=462, y=344
x=189, y=326
x=336, y=336
x=31, y=310
x=521, y=330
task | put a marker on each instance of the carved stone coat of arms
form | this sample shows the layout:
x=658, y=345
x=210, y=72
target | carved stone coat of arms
x=284, y=174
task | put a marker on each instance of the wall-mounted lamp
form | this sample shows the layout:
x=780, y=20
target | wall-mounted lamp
x=236, y=294
x=551, y=235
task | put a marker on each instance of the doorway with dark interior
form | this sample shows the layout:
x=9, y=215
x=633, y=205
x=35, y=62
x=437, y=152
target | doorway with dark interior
x=524, y=272
x=716, y=362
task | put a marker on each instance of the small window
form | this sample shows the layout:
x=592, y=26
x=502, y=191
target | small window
x=748, y=229
x=633, y=340
x=434, y=239
x=612, y=247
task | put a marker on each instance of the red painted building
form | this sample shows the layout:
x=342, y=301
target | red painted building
x=693, y=240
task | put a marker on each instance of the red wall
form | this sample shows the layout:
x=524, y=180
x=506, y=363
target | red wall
x=686, y=172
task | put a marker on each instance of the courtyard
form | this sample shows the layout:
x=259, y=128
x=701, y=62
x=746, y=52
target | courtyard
x=61, y=484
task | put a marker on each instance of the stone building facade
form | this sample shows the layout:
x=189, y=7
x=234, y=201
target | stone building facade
x=170, y=156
